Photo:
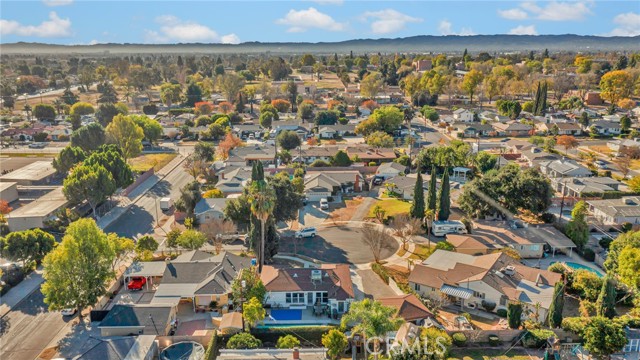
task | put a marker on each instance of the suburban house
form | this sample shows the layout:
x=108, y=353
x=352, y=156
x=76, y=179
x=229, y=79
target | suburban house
x=463, y=115
x=491, y=236
x=422, y=65
x=563, y=168
x=389, y=170
x=326, y=184
x=403, y=185
x=513, y=128
x=313, y=153
x=142, y=347
x=616, y=211
x=303, y=288
x=466, y=130
x=247, y=155
x=562, y=128
x=138, y=319
x=534, y=156
x=368, y=154
x=603, y=127
x=209, y=209
x=595, y=186
x=195, y=277
x=233, y=179
x=486, y=281
x=244, y=130
x=333, y=131
x=619, y=145
x=409, y=307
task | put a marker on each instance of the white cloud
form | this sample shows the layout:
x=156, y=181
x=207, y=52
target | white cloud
x=446, y=28
x=175, y=29
x=559, y=11
x=54, y=27
x=628, y=24
x=57, y=2
x=388, y=20
x=230, y=39
x=94, y=42
x=303, y=20
x=524, y=30
x=513, y=14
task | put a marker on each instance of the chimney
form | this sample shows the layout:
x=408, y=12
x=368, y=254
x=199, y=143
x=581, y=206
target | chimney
x=296, y=354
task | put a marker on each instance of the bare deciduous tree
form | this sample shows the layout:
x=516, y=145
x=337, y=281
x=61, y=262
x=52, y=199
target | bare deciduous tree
x=405, y=227
x=195, y=167
x=623, y=164
x=376, y=238
x=214, y=229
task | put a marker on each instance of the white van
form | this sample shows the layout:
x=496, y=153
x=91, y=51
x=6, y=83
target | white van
x=442, y=228
x=324, y=204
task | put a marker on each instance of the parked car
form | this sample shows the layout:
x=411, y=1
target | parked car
x=137, y=283
x=324, y=204
x=68, y=312
x=37, y=145
x=306, y=232
x=378, y=180
x=600, y=164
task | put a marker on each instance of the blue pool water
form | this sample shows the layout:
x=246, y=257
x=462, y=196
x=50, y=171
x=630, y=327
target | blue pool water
x=266, y=326
x=577, y=266
x=286, y=314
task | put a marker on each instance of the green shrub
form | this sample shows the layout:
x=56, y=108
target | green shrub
x=287, y=342
x=459, y=339
x=381, y=271
x=536, y=338
x=588, y=254
x=488, y=305
x=243, y=340
x=573, y=324
x=502, y=313
x=210, y=354
x=494, y=340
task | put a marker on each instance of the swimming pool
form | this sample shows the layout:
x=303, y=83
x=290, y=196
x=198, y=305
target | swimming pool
x=576, y=266
x=286, y=314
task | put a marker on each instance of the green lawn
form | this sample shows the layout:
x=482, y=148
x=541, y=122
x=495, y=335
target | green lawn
x=392, y=207
x=488, y=354
x=144, y=162
x=421, y=252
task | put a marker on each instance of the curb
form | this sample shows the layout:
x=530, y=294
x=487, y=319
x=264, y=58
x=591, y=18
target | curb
x=22, y=300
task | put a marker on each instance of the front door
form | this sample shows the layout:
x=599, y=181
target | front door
x=310, y=298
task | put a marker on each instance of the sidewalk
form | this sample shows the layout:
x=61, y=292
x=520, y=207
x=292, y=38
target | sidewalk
x=127, y=201
x=21, y=291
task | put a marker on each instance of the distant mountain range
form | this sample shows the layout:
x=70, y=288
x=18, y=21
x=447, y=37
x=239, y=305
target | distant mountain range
x=416, y=44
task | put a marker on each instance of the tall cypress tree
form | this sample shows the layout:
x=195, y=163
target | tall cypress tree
x=417, y=207
x=605, y=304
x=536, y=101
x=543, y=100
x=444, y=208
x=555, y=310
x=432, y=196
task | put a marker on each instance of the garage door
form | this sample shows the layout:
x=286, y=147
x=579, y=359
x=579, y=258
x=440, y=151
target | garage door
x=316, y=196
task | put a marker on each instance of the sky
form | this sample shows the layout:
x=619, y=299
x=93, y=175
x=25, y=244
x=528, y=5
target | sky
x=163, y=22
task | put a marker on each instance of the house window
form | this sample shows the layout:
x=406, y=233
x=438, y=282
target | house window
x=503, y=300
x=416, y=287
x=294, y=298
x=478, y=295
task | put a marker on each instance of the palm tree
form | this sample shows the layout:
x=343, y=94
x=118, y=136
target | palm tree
x=428, y=217
x=372, y=319
x=262, y=199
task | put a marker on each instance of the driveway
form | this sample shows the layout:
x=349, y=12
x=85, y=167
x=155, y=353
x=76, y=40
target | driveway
x=373, y=286
x=337, y=244
x=312, y=215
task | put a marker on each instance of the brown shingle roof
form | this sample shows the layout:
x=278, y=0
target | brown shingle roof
x=336, y=280
x=409, y=307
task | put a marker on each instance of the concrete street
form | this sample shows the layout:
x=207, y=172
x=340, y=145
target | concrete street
x=29, y=328
x=141, y=217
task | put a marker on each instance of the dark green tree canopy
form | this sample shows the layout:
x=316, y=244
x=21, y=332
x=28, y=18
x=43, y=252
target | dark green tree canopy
x=89, y=137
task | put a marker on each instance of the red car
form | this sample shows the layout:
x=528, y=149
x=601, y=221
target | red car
x=137, y=283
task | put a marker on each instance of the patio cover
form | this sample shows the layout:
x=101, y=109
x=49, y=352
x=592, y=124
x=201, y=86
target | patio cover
x=456, y=291
x=166, y=300
x=146, y=268
x=232, y=320
x=172, y=293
